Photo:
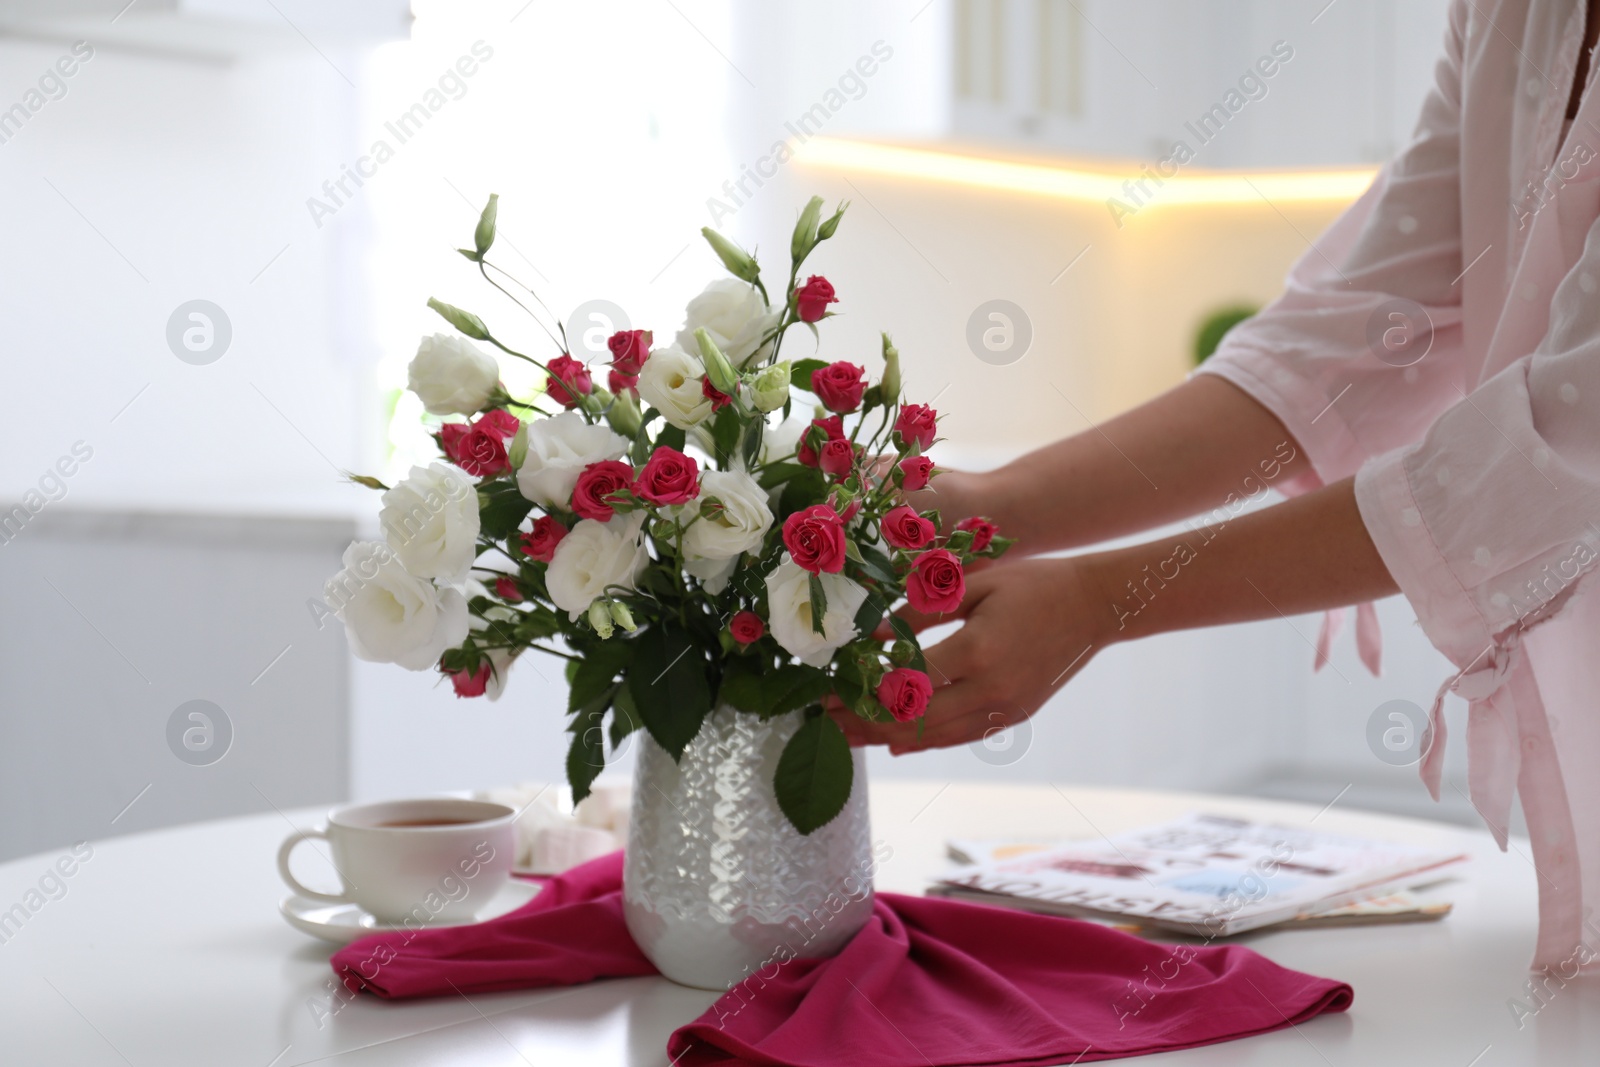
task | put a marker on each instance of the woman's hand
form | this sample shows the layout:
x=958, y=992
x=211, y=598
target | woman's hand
x=1028, y=627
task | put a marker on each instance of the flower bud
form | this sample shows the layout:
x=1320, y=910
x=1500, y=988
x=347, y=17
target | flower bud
x=805, y=230
x=483, y=236
x=891, y=372
x=622, y=616
x=739, y=262
x=718, y=369
x=600, y=618
x=770, y=390
x=518, y=452
x=831, y=224
x=624, y=416
x=465, y=321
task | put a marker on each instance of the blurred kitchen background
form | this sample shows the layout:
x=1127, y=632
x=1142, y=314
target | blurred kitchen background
x=227, y=151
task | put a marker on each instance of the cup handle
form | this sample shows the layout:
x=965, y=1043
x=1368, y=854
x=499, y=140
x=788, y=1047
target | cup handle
x=293, y=882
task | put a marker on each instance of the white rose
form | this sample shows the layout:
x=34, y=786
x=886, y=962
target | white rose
x=713, y=545
x=390, y=615
x=735, y=316
x=789, y=610
x=594, y=557
x=559, y=448
x=431, y=522
x=452, y=375
x=670, y=382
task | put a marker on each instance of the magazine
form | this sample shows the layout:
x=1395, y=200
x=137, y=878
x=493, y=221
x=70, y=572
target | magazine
x=1208, y=875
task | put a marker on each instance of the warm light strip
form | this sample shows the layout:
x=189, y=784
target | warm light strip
x=1187, y=187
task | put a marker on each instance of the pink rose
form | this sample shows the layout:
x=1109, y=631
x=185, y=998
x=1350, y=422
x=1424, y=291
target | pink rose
x=837, y=457
x=568, y=380
x=471, y=685
x=815, y=539
x=983, y=531
x=747, y=627
x=905, y=692
x=812, y=298
x=904, y=528
x=597, y=482
x=617, y=382
x=670, y=477
x=629, y=350
x=502, y=424
x=936, y=584
x=718, y=398
x=476, y=451
x=540, y=542
x=839, y=386
x=450, y=435
x=917, y=423
x=506, y=589
x=832, y=426
x=916, y=471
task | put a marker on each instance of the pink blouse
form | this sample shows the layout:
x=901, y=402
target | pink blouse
x=1441, y=342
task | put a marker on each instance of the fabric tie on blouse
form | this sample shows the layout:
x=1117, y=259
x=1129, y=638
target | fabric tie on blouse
x=1493, y=753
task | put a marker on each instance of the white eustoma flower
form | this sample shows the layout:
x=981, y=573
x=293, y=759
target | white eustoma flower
x=714, y=544
x=452, y=375
x=781, y=442
x=431, y=522
x=789, y=612
x=391, y=615
x=670, y=382
x=559, y=448
x=594, y=557
x=735, y=316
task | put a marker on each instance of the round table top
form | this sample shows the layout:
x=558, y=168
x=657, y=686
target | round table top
x=166, y=949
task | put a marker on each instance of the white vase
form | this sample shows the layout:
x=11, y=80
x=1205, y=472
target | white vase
x=717, y=884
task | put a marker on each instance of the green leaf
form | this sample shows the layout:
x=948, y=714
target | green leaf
x=815, y=774
x=997, y=547
x=792, y=687
x=853, y=551
x=775, y=474
x=869, y=616
x=597, y=670
x=801, y=492
x=624, y=718
x=800, y=373
x=725, y=433
x=819, y=603
x=877, y=564
x=667, y=679
x=501, y=509
x=752, y=443
x=741, y=683
x=465, y=321
x=586, y=758
x=670, y=437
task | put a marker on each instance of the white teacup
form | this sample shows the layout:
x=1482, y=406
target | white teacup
x=429, y=860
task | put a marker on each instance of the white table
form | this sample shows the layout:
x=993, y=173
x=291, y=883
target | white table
x=167, y=950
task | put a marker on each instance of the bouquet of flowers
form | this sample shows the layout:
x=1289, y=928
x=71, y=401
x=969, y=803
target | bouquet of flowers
x=681, y=537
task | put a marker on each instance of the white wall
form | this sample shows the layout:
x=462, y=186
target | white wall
x=607, y=129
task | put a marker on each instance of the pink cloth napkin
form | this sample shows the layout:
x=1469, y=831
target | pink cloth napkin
x=926, y=982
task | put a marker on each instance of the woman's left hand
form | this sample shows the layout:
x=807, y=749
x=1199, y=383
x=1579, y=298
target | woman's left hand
x=1027, y=628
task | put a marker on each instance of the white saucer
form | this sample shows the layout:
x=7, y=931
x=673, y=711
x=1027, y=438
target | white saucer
x=344, y=923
